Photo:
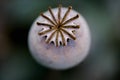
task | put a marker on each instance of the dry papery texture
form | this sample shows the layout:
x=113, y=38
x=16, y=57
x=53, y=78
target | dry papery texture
x=62, y=56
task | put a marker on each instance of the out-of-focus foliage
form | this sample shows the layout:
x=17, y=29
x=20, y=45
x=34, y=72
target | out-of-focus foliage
x=16, y=63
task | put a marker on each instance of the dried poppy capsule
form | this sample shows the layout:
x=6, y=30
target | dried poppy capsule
x=59, y=38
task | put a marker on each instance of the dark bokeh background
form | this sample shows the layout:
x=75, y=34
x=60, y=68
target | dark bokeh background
x=103, y=62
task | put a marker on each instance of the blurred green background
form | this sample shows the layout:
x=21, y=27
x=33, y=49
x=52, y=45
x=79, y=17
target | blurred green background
x=103, y=62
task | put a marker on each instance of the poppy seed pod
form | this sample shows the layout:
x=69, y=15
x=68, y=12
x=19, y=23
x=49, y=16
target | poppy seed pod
x=59, y=38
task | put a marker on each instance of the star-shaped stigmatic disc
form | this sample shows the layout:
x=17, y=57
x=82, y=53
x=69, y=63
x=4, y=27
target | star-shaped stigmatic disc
x=57, y=30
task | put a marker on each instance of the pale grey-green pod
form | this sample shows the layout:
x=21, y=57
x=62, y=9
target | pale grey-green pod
x=59, y=38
